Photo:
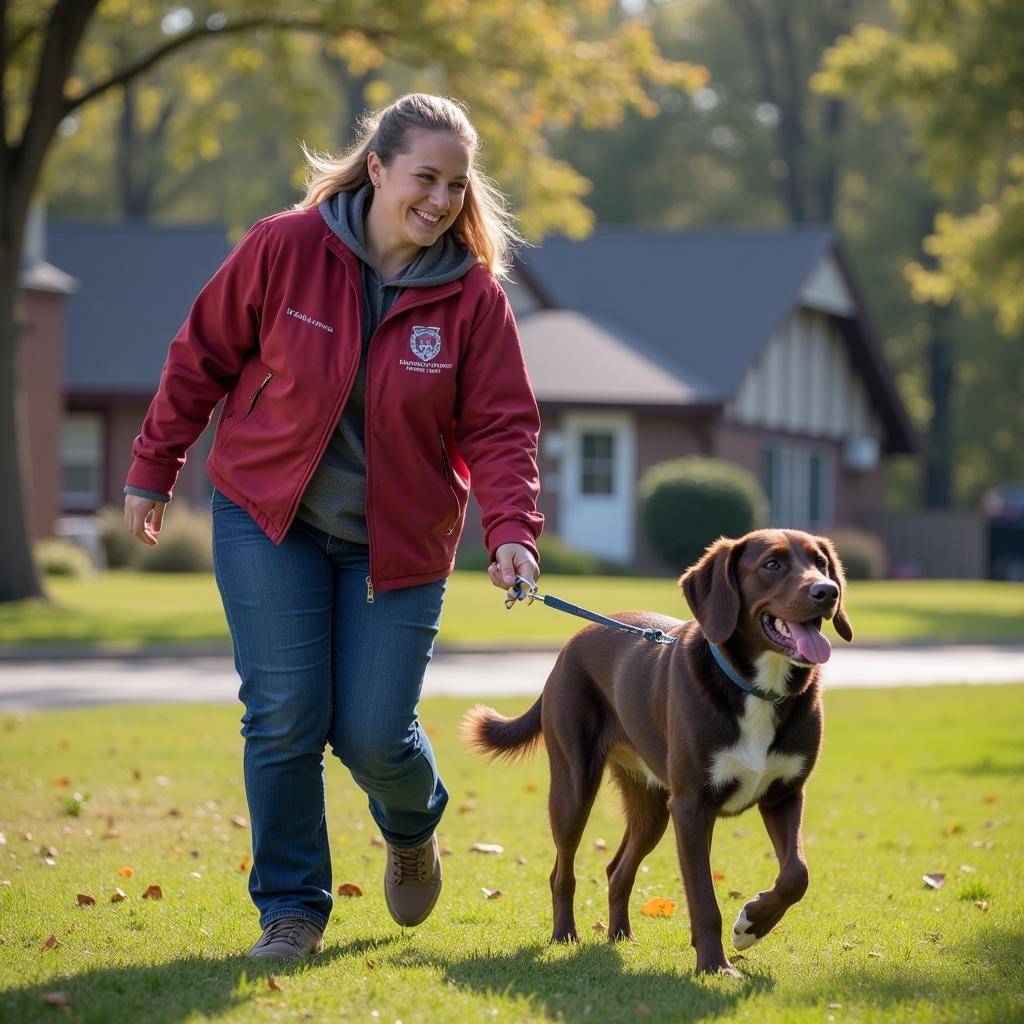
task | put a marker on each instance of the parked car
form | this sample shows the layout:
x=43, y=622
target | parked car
x=1004, y=509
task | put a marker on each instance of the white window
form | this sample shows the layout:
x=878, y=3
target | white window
x=81, y=460
x=798, y=482
x=597, y=462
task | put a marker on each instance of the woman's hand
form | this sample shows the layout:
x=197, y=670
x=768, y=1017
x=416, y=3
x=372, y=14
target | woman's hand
x=510, y=561
x=143, y=517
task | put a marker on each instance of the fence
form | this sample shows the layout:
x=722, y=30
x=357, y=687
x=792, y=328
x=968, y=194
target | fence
x=933, y=543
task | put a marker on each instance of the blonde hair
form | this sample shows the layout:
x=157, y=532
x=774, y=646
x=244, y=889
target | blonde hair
x=485, y=224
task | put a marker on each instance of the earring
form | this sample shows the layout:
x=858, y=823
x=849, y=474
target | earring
x=376, y=184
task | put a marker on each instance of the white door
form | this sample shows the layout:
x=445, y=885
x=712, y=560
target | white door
x=598, y=483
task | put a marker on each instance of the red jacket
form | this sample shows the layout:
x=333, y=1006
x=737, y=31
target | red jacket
x=277, y=330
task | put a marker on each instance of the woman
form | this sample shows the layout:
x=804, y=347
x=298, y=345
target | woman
x=370, y=361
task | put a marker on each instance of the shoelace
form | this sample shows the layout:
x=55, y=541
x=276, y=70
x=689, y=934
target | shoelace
x=409, y=862
x=288, y=929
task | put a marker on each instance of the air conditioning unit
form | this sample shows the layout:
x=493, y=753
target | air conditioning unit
x=860, y=453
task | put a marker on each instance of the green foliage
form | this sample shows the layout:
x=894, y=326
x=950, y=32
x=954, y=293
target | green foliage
x=62, y=558
x=863, y=554
x=185, y=543
x=686, y=504
x=954, y=72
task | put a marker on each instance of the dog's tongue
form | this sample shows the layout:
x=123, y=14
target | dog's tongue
x=813, y=647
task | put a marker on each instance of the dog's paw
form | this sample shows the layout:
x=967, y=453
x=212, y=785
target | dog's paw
x=742, y=936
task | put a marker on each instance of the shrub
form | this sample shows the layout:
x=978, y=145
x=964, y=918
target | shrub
x=863, y=554
x=121, y=550
x=62, y=558
x=185, y=543
x=686, y=504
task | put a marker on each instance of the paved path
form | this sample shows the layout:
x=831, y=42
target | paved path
x=26, y=686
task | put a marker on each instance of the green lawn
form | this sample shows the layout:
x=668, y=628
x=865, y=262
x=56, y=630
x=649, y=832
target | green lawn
x=139, y=610
x=910, y=782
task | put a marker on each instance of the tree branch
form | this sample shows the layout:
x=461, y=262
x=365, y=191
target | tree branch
x=143, y=64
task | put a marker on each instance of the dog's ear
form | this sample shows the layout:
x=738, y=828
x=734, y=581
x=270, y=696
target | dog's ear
x=711, y=591
x=835, y=571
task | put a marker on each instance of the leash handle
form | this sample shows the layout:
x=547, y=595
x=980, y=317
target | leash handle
x=526, y=590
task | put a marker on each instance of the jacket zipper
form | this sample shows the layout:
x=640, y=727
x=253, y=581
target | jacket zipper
x=259, y=391
x=446, y=465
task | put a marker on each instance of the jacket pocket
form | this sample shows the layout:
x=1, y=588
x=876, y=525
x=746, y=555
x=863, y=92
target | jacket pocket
x=240, y=417
x=255, y=397
x=446, y=467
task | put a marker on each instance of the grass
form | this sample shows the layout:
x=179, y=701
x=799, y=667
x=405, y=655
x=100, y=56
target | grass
x=131, y=610
x=910, y=782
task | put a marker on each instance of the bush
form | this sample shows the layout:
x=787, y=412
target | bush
x=62, y=558
x=686, y=504
x=121, y=550
x=185, y=543
x=863, y=554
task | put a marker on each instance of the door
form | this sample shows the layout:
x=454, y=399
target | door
x=597, y=499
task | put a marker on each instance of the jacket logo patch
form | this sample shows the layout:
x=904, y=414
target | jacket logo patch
x=425, y=342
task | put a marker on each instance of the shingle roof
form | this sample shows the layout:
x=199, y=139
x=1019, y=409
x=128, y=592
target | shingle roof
x=704, y=301
x=136, y=283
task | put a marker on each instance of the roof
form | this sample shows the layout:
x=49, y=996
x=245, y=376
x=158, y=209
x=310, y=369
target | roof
x=705, y=301
x=558, y=342
x=136, y=283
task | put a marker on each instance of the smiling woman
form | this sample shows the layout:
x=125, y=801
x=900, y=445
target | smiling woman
x=371, y=364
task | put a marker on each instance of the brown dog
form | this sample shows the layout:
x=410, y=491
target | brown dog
x=681, y=737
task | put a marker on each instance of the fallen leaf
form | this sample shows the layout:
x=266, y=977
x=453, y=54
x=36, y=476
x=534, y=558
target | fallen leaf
x=273, y=985
x=833, y=1006
x=935, y=879
x=85, y=900
x=600, y=844
x=125, y=872
x=48, y=851
x=954, y=830
x=466, y=806
x=376, y=840
x=491, y=894
x=981, y=904
x=136, y=774
x=966, y=869
x=486, y=848
x=989, y=799
x=50, y=942
x=111, y=833
x=876, y=956
x=849, y=945
x=348, y=889
x=659, y=906
x=117, y=895
x=56, y=999
x=371, y=964
x=530, y=787
x=717, y=876
x=244, y=863
x=61, y=780
x=735, y=894
x=239, y=822
x=153, y=892
x=600, y=926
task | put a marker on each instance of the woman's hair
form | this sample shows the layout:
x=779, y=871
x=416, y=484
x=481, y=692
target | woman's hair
x=485, y=225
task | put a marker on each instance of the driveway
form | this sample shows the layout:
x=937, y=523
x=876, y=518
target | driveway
x=29, y=686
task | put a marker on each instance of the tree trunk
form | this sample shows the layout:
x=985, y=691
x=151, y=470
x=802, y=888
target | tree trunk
x=938, y=445
x=19, y=578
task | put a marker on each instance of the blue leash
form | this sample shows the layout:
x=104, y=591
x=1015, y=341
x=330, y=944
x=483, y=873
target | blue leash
x=526, y=590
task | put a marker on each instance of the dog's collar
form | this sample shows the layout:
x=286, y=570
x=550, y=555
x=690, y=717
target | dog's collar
x=742, y=683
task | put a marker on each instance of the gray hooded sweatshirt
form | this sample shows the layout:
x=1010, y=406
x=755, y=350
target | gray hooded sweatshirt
x=335, y=498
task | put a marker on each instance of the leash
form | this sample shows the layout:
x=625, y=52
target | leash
x=526, y=590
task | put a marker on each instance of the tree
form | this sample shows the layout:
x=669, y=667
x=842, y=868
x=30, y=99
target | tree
x=521, y=65
x=954, y=73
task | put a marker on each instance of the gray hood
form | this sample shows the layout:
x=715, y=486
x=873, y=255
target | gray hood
x=446, y=260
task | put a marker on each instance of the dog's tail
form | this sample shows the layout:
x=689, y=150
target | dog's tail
x=492, y=734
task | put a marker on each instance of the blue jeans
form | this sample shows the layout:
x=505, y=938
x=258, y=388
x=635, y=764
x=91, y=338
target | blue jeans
x=321, y=664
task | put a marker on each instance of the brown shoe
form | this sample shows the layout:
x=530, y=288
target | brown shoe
x=412, y=881
x=290, y=938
